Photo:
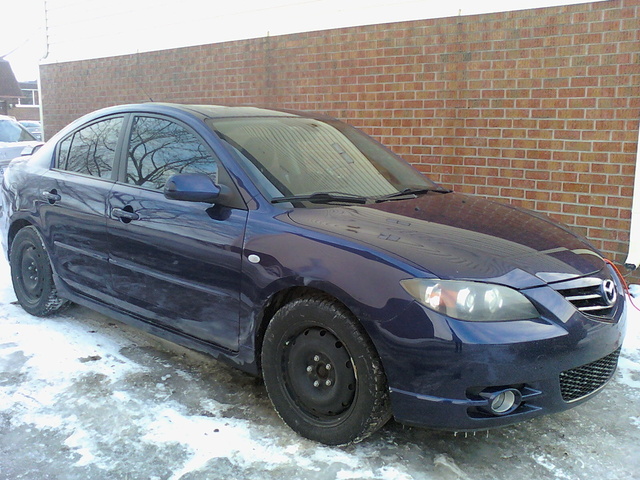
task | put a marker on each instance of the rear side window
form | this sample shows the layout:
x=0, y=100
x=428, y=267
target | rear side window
x=91, y=150
x=160, y=148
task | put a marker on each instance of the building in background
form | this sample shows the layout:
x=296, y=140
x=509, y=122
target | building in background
x=20, y=100
x=10, y=90
x=28, y=105
x=539, y=107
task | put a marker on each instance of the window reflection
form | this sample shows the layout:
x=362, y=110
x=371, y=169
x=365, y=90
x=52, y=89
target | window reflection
x=91, y=151
x=159, y=149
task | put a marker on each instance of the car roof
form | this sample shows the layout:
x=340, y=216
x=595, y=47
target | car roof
x=203, y=112
x=209, y=111
x=222, y=111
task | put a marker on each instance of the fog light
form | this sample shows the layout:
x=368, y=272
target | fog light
x=503, y=402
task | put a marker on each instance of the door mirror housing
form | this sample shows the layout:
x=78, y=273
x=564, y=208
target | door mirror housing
x=30, y=149
x=192, y=187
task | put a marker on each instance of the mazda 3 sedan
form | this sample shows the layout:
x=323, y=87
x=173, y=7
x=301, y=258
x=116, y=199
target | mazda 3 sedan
x=299, y=249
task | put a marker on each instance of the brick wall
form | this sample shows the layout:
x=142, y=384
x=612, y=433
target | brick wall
x=539, y=108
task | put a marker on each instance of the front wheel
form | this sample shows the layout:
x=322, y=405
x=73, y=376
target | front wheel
x=322, y=372
x=31, y=274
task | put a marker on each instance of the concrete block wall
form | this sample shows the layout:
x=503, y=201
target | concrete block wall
x=539, y=108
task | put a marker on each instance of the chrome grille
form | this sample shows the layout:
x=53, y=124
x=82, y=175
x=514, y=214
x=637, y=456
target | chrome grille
x=588, y=299
x=579, y=382
x=592, y=296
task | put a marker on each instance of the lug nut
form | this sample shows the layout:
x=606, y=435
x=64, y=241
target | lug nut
x=316, y=358
x=309, y=369
x=328, y=383
x=316, y=384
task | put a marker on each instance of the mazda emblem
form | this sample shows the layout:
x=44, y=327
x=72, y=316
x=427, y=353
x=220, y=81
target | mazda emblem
x=609, y=291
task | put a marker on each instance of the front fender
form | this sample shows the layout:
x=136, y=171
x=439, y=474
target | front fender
x=282, y=258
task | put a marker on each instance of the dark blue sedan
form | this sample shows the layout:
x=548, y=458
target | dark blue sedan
x=299, y=249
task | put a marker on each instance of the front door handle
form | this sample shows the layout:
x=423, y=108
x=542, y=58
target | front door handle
x=52, y=196
x=125, y=214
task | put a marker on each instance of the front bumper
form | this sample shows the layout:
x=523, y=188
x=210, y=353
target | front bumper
x=437, y=376
x=538, y=398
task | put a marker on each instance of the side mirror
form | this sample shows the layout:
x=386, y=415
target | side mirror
x=192, y=187
x=30, y=149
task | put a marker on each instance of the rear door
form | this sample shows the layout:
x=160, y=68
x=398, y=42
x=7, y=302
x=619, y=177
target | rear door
x=176, y=263
x=72, y=204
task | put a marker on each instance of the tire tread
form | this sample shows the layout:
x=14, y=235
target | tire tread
x=380, y=412
x=53, y=302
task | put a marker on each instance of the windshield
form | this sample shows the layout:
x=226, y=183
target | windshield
x=11, y=131
x=296, y=156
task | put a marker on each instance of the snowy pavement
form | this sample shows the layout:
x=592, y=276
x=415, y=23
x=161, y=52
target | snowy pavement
x=85, y=397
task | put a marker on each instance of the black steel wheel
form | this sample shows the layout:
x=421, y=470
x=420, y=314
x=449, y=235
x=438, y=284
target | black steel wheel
x=31, y=274
x=322, y=372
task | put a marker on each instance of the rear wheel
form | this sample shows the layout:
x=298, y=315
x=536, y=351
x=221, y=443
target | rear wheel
x=31, y=274
x=322, y=373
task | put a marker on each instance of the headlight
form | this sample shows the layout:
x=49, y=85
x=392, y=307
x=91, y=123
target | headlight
x=475, y=301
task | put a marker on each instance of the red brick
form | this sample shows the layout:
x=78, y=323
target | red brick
x=467, y=97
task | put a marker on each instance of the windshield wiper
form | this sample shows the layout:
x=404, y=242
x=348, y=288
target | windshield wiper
x=323, y=197
x=413, y=192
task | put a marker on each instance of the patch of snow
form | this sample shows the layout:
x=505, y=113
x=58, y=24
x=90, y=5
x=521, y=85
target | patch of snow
x=86, y=390
x=349, y=474
x=78, y=379
x=629, y=363
x=78, y=442
x=546, y=462
x=208, y=438
x=446, y=464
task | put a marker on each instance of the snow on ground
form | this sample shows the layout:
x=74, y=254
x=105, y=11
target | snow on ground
x=86, y=397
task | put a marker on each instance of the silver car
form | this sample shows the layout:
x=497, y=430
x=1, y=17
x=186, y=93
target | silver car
x=34, y=128
x=15, y=140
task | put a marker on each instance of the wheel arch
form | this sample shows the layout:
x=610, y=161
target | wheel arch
x=15, y=227
x=283, y=297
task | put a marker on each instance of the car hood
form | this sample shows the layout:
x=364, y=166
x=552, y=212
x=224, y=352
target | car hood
x=11, y=150
x=455, y=236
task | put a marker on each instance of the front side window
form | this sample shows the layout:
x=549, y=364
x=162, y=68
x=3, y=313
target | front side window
x=159, y=148
x=91, y=150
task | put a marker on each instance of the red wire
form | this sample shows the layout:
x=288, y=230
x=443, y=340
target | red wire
x=624, y=283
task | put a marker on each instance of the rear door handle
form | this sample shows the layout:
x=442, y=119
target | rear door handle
x=125, y=215
x=52, y=196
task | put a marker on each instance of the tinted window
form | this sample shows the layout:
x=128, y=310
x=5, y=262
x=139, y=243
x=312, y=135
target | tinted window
x=63, y=151
x=160, y=148
x=91, y=150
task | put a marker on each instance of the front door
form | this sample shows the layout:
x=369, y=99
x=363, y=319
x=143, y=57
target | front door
x=175, y=263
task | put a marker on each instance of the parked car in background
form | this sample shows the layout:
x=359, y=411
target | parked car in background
x=34, y=128
x=299, y=249
x=14, y=140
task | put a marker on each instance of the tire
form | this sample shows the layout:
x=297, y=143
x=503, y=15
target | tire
x=31, y=274
x=322, y=372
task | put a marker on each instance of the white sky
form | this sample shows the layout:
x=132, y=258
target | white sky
x=80, y=29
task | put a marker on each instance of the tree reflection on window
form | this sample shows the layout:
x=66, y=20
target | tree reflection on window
x=91, y=151
x=159, y=149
